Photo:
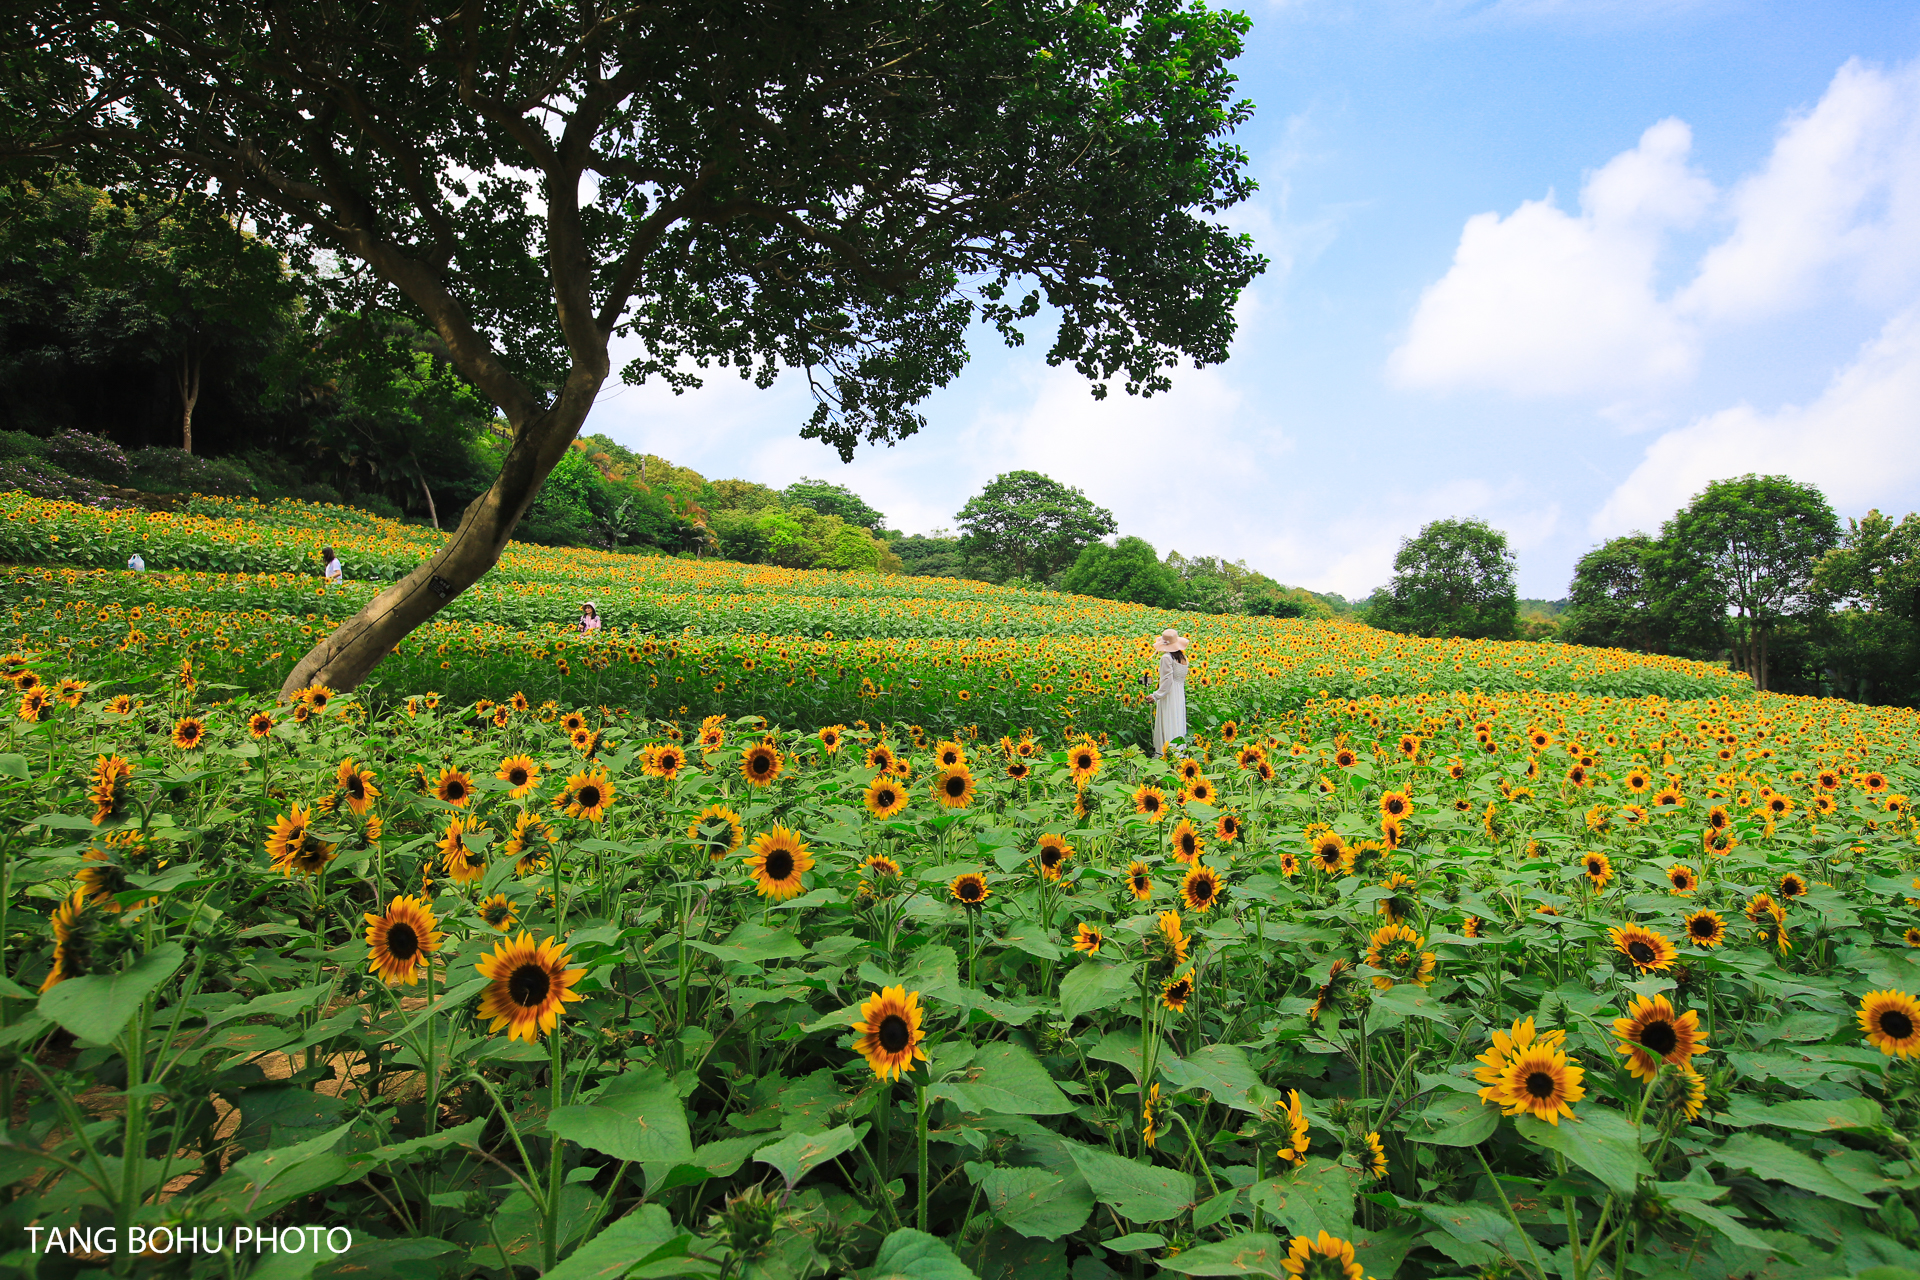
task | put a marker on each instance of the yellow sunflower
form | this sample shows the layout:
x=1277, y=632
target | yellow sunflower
x=1683, y=878
x=885, y=797
x=718, y=830
x=777, y=860
x=74, y=938
x=400, y=938
x=1298, y=1139
x=1395, y=804
x=455, y=786
x=1053, y=854
x=1891, y=1021
x=1652, y=1034
x=1705, y=929
x=1597, y=867
x=1176, y=992
x=887, y=1032
x=499, y=912
x=1140, y=881
x=1084, y=761
x=529, y=982
x=1649, y=951
x=969, y=889
x=830, y=738
x=1187, y=844
x=356, y=785
x=1201, y=888
x=108, y=787
x=521, y=773
x=462, y=864
x=954, y=787
x=1150, y=801
x=1088, y=939
x=1325, y=1258
x=1373, y=1158
x=587, y=795
x=1542, y=1081
x=1227, y=828
x=760, y=764
x=525, y=845
x=293, y=847
x=188, y=733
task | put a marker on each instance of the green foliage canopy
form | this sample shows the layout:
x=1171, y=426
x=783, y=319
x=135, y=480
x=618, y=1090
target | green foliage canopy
x=1026, y=525
x=1454, y=578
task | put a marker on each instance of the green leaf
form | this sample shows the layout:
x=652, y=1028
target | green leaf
x=1135, y=1242
x=1816, y=1116
x=754, y=944
x=99, y=1006
x=1139, y=1192
x=1411, y=1000
x=1461, y=1120
x=1036, y=1203
x=1474, y=1223
x=1316, y=1197
x=907, y=1254
x=646, y=1235
x=1766, y=1158
x=1735, y=1231
x=15, y=766
x=637, y=1117
x=1093, y=986
x=1215, y=1208
x=797, y=1154
x=1006, y=1079
x=1247, y=1255
x=1223, y=1071
x=402, y=1152
x=1602, y=1142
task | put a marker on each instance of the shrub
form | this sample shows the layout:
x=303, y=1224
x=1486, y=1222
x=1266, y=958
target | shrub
x=177, y=471
x=82, y=453
x=20, y=444
x=43, y=480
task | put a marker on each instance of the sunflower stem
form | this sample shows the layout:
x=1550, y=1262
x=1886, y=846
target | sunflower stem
x=920, y=1152
x=554, y=1154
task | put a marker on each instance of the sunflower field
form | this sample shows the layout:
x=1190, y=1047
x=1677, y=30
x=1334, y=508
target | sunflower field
x=1425, y=959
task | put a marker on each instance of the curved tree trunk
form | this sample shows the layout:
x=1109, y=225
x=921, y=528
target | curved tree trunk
x=342, y=659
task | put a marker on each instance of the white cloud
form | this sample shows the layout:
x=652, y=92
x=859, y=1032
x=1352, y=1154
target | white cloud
x=1544, y=302
x=1856, y=442
x=1839, y=195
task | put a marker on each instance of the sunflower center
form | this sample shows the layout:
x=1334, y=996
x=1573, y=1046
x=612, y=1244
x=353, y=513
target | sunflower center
x=1895, y=1025
x=356, y=788
x=894, y=1033
x=1202, y=890
x=456, y=791
x=761, y=764
x=1702, y=928
x=779, y=865
x=528, y=985
x=517, y=776
x=589, y=797
x=885, y=797
x=1659, y=1037
x=1186, y=845
x=402, y=942
x=1049, y=857
x=1540, y=1085
x=956, y=787
x=1640, y=952
x=969, y=890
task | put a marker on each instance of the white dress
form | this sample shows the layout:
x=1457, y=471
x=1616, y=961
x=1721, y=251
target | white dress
x=1169, y=703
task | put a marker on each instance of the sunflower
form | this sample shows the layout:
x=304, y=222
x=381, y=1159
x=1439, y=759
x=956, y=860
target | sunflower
x=122, y=705
x=1652, y=1034
x=1891, y=1021
x=1912, y=937
x=104, y=877
x=1054, y=851
x=1176, y=992
x=455, y=786
x=954, y=787
x=462, y=864
x=1345, y=758
x=188, y=733
x=885, y=797
x=293, y=848
x=1227, y=827
x=1395, y=949
x=760, y=764
x=259, y=725
x=1668, y=798
x=572, y=723
x=1505, y=1047
x=529, y=830
x=1400, y=905
x=1199, y=791
x=1395, y=804
x=1373, y=1158
x=1265, y=771
x=1088, y=939
x=1289, y=863
x=1201, y=888
x=888, y=1033
x=1331, y=854
x=716, y=829
x=1187, y=845
x=1792, y=885
x=1760, y=907
x=400, y=938
x=1542, y=1081
x=108, y=787
x=521, y=773
x=1188, y=770
x=1150, y=801
x=316, y=696
x=1471, y=927
x=1326, y=1258
x=1084, y=760
x=1718, y=819
x=1649, y=951
x=830, y=738
x=969, y=889
x=587, y=795
x=357, y=785
x=880, y=756
x=777, y=859
x=74, y=927
x=1018, y=770
x=529, y=982
x=665, y=760
x=1683, y=878
x=1150, y=1117
x=1298, y=1139
x=1174, y=937
x=1598, y=868
x=1139, y=881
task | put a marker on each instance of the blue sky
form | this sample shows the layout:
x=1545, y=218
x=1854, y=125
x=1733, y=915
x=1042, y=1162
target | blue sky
x=1552, y=263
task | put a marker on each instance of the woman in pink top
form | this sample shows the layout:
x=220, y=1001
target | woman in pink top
x=589, y=616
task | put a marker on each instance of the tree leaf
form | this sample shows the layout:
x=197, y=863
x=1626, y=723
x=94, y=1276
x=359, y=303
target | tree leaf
x=1247, y=1255
x=1093, y=986
x=797, y=1154
x=1036, y=1203
x=99, y=1006
x=1139, y=1192
x=907, y=1254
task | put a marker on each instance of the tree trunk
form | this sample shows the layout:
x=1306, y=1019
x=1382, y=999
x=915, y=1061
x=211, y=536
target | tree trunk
x=433, y=512
x=342, y=659
x=1760, y=681
x=187, y=379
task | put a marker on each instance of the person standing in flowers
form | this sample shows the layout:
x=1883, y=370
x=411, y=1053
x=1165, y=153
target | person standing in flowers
x=589, y=616
x=1170, y=699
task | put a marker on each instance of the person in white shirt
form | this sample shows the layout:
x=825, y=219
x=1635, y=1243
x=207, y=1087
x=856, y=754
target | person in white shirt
x=589, y=616
x=1170, y=699
x=135, y=563
x=333, y=570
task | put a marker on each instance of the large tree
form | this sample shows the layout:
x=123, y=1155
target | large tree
x=1129, y=570
x=1871, y=582
x=1759, y=538
x=1453, y=578
x=838, y=187
x=1026, y=525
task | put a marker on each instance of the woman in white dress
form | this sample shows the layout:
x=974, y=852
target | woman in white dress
x=1170, y=699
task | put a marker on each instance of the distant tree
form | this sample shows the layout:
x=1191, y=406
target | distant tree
x=1611, y=597
x=1871, y=581
x=1130, y=570
x=1454, y=578
x=931, y=555
x=1025, y=525
x=1759, y=538
x=833, y=500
